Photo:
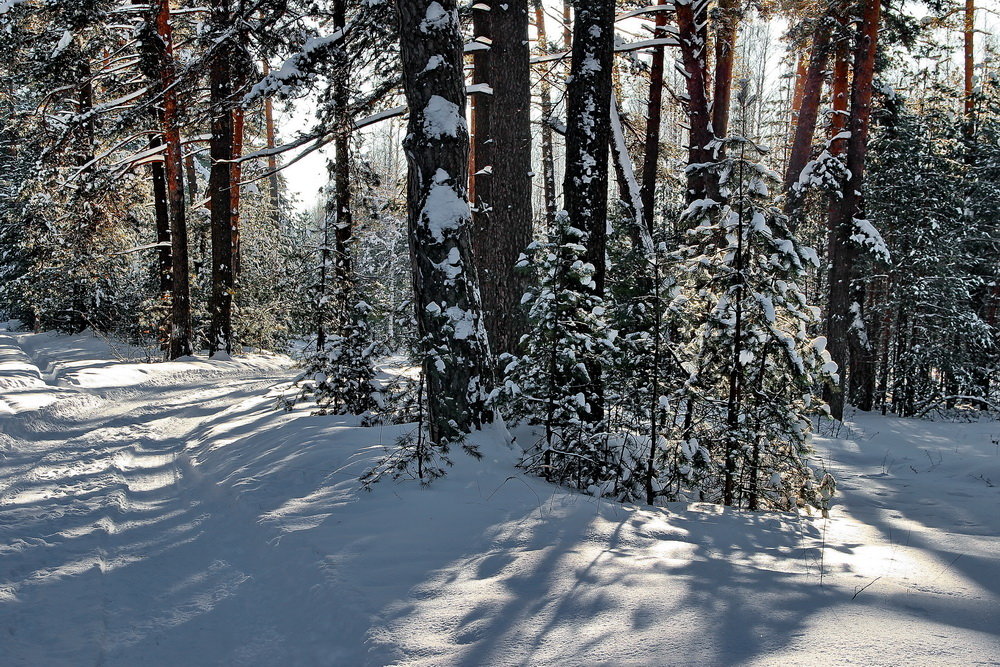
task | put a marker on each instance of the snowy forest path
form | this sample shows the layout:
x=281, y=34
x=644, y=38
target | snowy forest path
x=109, y=536
x=168, y=514
x=913, y=531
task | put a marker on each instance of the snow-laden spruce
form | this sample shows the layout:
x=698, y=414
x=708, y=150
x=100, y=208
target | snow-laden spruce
x=550, y=384
x=753, y=360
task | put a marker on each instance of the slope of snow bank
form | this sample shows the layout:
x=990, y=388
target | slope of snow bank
x=165, y=514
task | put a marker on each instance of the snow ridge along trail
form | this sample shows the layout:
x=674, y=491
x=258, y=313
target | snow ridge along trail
x=167, y=514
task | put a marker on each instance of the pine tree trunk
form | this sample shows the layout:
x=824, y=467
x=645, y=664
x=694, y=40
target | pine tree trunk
x=729, y=14
x=968, y=43
x=161, y=210
x=567, y=16
x=449, y=321
x=78, y=319
x=654, y=114
x=272, y=160
x=501, y=179
x=342, y=172
x=843, y=251
x=585, y=189
x=700, y=136
x=220, y=187
x=807, y=111
x=344, y=230
x=734, y=400
x=239, y=123
x=840, y=94
x=802, y=61
x=862, y=360
x=150, y=49
x=180, y=325
x=548, y=157
x=839, y=99
x=885, y=340
x=85, y=107
x=329, y=219
x=480, y=154
x=192, y=179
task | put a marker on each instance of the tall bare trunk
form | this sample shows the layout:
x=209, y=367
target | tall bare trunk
x=700, y=136
x=843, y=251
x=342, y=171
x=272, y=159
x=807, y=110
x=180, y=326
x=729, y=14
x=654, y=114
x=192, y=179
x=150, y=48
x=548, y=158
x=798, y=90
x=567, y=17
x=968, y=35
x=585, y=190
x=449, y=321
x=501, y=182
x=239, y=123
x=161, y=209
x=840, y=93
x=221, y=185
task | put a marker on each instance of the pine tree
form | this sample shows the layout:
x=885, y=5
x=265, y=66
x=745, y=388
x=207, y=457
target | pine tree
x=846, y=214
x=753, y=363
x=550, y=383
x=500, y=165
x=585, y=187
x=221, y=185
x=453, y=347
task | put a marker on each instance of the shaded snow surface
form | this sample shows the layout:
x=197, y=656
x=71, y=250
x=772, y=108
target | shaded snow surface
x=167, y=514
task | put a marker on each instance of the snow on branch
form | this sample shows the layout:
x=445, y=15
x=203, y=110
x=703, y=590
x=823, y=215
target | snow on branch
x=642, y=11
x=625, y=164
x=868, y=237
x=296, y=68
x=623, y=47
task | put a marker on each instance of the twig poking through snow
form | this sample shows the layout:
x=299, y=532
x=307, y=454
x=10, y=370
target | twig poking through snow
x=857, y=591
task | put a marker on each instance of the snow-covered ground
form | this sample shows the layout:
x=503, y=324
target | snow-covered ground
x=167, y=514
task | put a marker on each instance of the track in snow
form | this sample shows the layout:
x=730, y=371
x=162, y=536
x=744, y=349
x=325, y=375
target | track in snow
x=110, y=539
x=167, y=514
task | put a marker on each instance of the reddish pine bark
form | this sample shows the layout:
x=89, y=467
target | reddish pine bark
x=272, y=160
x=843, y=251
x=801, y=71
x=807, y=111
x=180, y=326
x=692, y=47
x=840, y=95
x=729, y=14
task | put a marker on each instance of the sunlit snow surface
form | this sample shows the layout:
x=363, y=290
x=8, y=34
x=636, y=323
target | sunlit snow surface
x=167, y=514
